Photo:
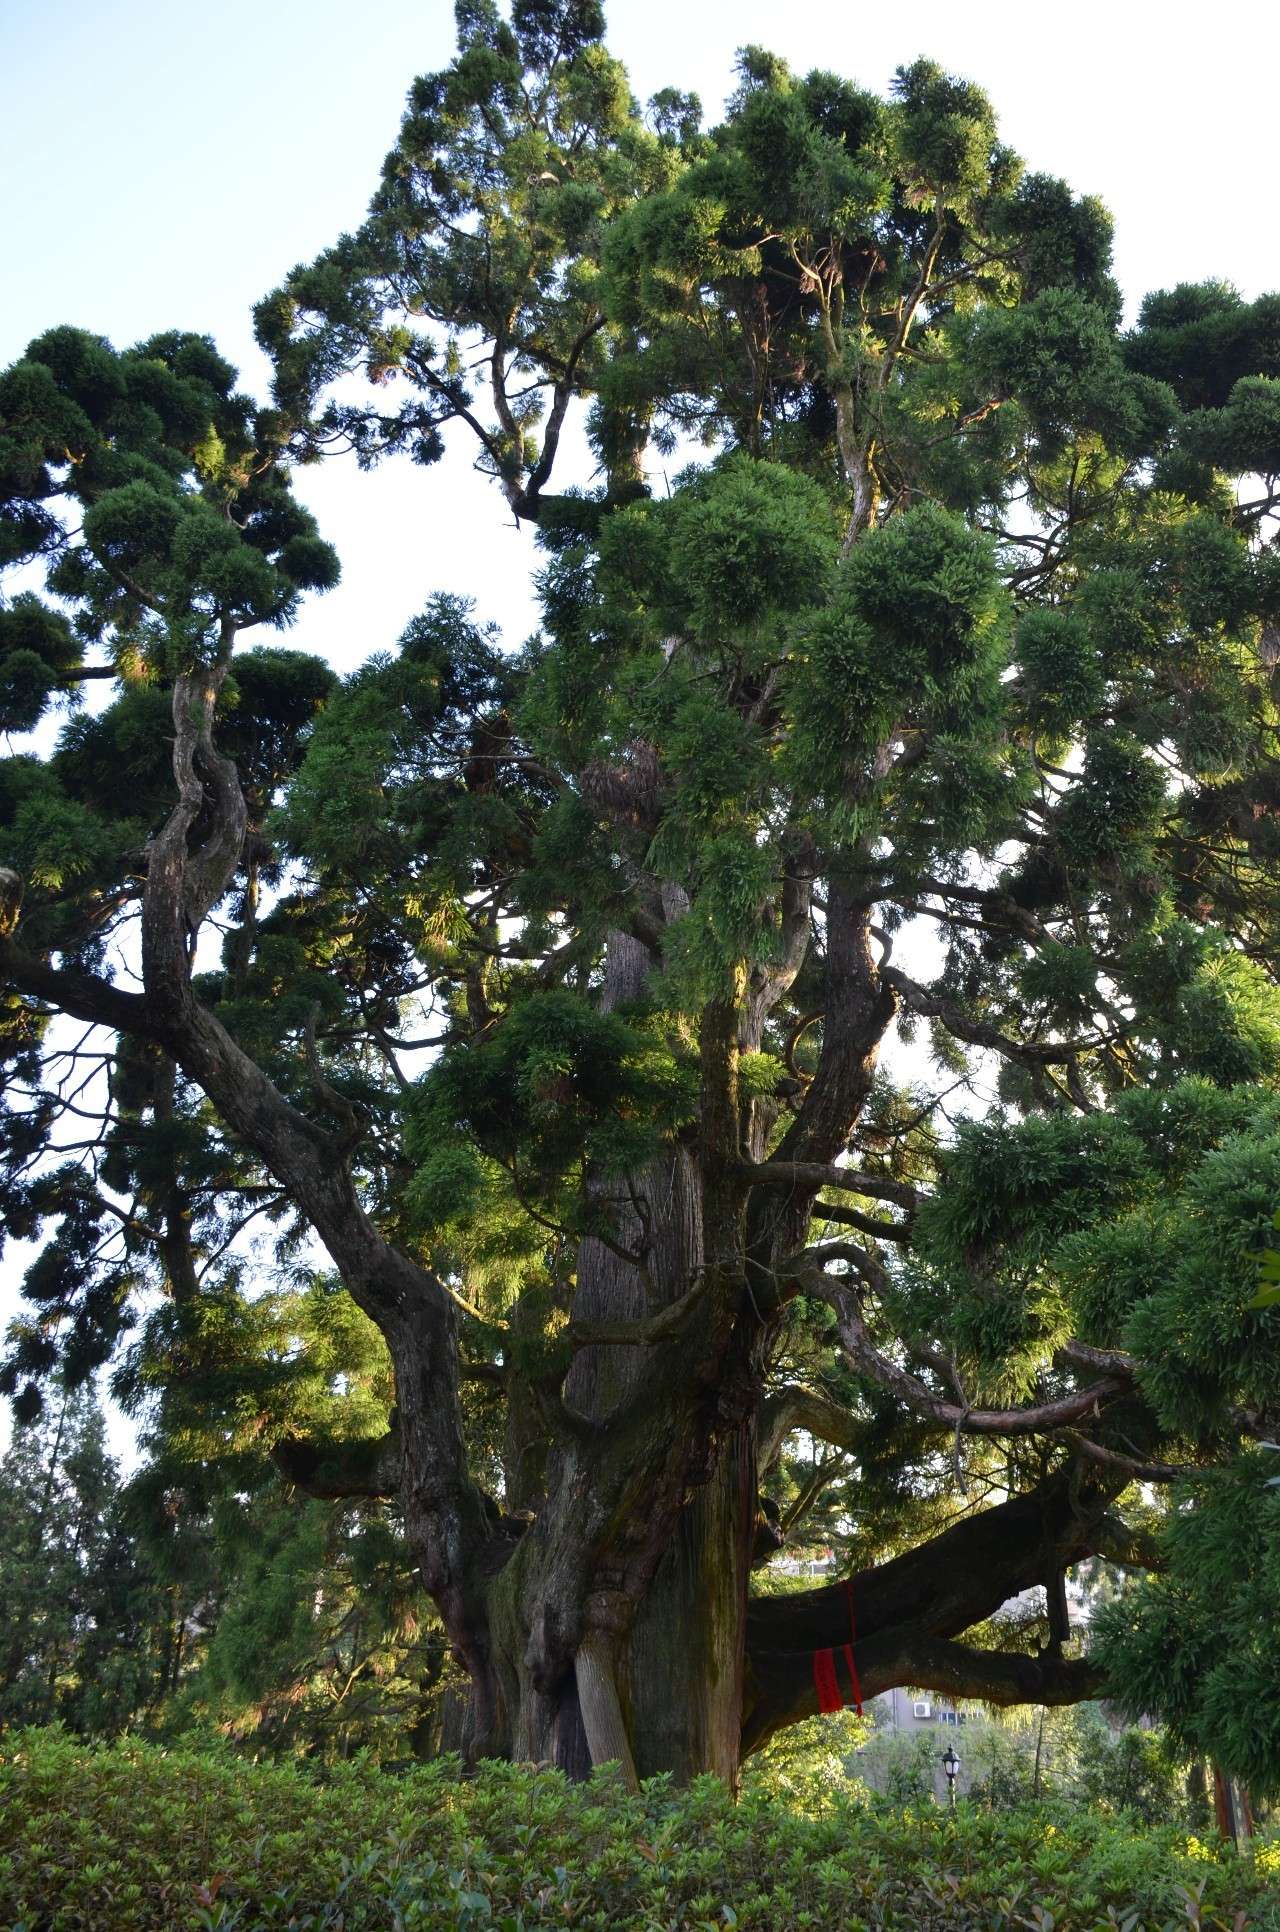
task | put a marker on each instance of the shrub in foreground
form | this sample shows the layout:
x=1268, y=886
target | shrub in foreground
x=132, y=1836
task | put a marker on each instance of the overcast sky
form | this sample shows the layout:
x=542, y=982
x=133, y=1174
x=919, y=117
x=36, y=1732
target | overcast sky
x=163, y=163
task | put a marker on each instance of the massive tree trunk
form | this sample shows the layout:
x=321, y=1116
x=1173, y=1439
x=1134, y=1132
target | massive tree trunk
x=686, y=1661
x=622, y=1625
x=658, y=1685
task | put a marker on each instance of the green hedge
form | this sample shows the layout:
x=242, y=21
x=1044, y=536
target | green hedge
x=131, y=1838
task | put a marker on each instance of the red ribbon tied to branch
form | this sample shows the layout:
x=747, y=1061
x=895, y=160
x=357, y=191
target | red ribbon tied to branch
x=824, y=1668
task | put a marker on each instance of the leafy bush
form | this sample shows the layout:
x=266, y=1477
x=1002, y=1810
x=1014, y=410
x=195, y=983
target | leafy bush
x=129, y=1835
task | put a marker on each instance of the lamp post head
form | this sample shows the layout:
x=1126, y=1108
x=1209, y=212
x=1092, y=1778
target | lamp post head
x=950, y=1763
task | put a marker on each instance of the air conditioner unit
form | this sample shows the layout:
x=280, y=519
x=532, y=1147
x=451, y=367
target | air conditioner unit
x=922, y=1708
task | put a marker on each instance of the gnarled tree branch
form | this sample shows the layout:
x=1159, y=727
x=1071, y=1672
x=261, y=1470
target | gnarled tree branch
x=1033, y=1419
x=796, y=1407
x=812, y=1175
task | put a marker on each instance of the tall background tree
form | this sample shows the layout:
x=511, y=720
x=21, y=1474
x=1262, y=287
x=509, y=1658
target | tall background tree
x=546, y=989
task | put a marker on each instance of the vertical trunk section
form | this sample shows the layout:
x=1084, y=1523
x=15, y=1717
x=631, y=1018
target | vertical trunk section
x=604, y=1723
x=682, y=1677
x=657, y=1647
x=673, y=1681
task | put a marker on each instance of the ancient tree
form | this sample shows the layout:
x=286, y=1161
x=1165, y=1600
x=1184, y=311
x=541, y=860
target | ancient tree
x=822, y=987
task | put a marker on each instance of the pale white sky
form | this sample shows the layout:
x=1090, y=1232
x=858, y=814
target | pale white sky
x=163, y=163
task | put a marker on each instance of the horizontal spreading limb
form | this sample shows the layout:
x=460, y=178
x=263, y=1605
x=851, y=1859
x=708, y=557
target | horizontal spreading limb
x=812, y=1174
x=911, y=1610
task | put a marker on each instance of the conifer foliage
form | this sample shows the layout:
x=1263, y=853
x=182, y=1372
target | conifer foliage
x=465, y=1082
x=92, y=1631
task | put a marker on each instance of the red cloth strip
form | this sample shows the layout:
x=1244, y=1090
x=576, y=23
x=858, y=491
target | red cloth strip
x=848, y=1649
x=824, y=1668
x=824, y=1682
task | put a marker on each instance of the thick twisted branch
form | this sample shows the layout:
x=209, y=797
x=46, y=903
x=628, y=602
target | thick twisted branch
x=812, y=1175
x=862, y=1353
x=407, y=1301
x=910, y=1611
x=923, y=1001
x=796, y=1407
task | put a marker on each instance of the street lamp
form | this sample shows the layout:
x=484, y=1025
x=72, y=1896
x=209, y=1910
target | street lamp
x=951, y=1765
